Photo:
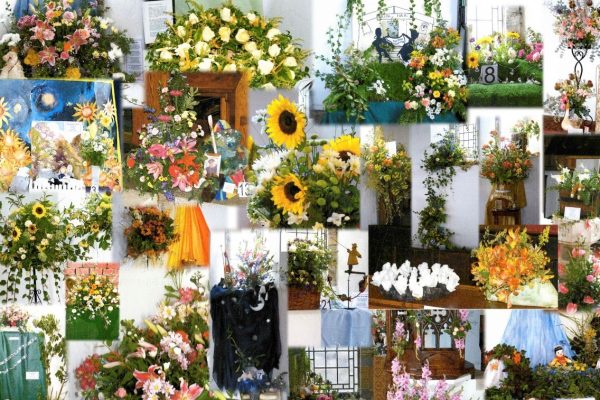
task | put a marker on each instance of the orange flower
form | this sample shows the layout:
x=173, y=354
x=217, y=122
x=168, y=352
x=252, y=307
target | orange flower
x=517, y=357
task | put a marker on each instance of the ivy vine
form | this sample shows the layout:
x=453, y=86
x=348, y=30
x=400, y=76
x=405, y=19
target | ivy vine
x=439, y=162
x=381, y=9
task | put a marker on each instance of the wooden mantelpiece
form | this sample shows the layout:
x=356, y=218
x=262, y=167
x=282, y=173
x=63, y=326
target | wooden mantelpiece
x=230, y=88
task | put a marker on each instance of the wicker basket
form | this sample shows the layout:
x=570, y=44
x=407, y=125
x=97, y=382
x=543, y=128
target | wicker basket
x=303, y=298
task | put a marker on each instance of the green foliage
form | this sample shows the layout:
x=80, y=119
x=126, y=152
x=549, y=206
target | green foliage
x=517, y=382
x=53, y=347
x=308, y=263
x=505, y=95
x=394, y=74
x=439, y=163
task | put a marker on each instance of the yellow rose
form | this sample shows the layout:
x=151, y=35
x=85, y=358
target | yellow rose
x=436, y=93
x=32, y=58
x=242, y=36
x=72, y=73
x=225, y=33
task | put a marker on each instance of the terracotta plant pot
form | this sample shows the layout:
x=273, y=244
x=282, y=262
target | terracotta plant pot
x=303, y=298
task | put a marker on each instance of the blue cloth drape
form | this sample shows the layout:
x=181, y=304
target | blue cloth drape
x=537, y=332
x=351, y=328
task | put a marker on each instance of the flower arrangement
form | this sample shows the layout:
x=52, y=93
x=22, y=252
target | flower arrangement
x=572, y=97
x=405, y=387
x=92, y=297
x=439, y=162
x=13, y=316
x=308, y=261
x=166, y=359
x=525, y=129
x=416, y=282
x=55, y=41
x=255, y=267
x=168, y=161
x=516, y=367
x=151, y=232
x=504, y=164
x=509, y=262
x=378, y=331
x=97, y=144
x=14, y=154
x=579, y=281
x=300, y=181
x=36, y=239
x=437, y=83
x=519, y=58
x=97, y=214
x=225, y=39
x=458, y=329
x=581, y=185
x=389, y=175
x=577, y=25
x=400, y=336
x=353, y=80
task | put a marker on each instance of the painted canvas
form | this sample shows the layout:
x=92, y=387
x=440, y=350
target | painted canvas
x=70, y=127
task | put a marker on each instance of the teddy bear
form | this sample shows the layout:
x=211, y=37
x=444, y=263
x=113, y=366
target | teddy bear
x=12, y=69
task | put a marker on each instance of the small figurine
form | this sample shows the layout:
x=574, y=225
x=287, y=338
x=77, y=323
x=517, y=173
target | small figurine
x=560, y=360
x=353, y=256
x=408, y=47
x=378, y=43
x=12, y=69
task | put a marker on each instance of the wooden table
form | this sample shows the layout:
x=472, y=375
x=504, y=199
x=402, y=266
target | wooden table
x=552, y=127
x=465, y=297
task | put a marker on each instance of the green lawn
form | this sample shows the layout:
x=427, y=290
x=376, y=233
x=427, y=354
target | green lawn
x=505, y=95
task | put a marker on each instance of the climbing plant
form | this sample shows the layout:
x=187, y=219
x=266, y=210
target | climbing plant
x=439, y=162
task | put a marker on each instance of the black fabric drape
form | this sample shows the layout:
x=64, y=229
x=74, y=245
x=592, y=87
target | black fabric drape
x=256, y=333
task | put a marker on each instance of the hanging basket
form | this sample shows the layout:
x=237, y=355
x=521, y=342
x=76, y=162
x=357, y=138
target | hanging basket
x=303, y=298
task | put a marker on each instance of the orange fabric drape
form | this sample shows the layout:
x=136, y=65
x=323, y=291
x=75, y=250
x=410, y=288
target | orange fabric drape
x=193, y=244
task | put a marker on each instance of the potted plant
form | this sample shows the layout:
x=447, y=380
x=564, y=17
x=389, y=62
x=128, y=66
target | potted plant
x=511, y=269
x=308, y=261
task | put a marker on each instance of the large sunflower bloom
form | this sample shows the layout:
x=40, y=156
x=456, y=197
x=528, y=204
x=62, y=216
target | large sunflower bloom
x=4, y=114
x=289, y=193
x=85, y=112
x=38, y=210
x=345, y=145
x=285, y=123
x=473, y=60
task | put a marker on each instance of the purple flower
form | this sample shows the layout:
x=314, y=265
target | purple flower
x=464, y=315
x=459, y=343
x=26, y=21
x=418, y=342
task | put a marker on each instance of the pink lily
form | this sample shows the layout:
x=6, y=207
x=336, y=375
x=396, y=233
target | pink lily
x=181, y=182
x=155, y=169
x=158, y=150
x=139, y=353
x=48, y=55
x=150, y=348
x=187, y=145
x=42, y=31
x=112, y=364
x=187, y=392
x=142, y=377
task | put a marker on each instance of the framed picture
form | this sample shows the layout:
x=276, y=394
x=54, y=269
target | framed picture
x=212, y=165
x=68, y=126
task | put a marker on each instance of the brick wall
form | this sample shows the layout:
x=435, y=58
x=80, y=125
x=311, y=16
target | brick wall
x=110, y=270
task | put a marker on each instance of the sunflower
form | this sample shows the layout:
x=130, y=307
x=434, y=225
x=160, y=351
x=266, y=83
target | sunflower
x=285, y=123
x=473, y=60
x=85, y=112
x=4, y=114
x=38, y=210
x=15, y=234
x=289, y=193
x=345, y=145
x=32, y=229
